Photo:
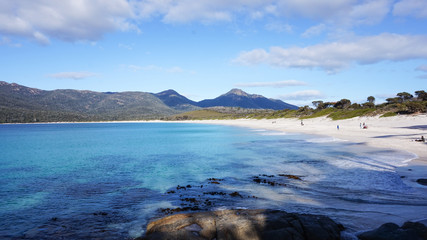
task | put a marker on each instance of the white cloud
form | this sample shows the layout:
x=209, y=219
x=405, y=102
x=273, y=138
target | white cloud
x=278, y=84
x=319, y=9
x=416, y=8
x=350, y=12
x=89, y=20
x=72, y=75
x=422, y=68
x=335, y=56
x=255, y=56
x=125, y=46
x=182, y=11
x=343, y=12
x=67, y=20
x=369, y=12
x=314, y=30
x=278, y=27
x=303, y=95
x=8, y=42
x=385, y=95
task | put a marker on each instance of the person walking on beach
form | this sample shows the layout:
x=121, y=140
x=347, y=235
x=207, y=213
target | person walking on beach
x=338, y=127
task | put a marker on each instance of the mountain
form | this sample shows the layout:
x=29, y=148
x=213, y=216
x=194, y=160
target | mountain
x=23, y=104
x=176, y=101
x=239, y=98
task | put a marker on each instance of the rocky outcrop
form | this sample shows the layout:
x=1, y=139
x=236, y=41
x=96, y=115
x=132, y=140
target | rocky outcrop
x=244, y=225
x=391, y=231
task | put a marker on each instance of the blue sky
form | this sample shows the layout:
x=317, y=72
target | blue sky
x=294, y=50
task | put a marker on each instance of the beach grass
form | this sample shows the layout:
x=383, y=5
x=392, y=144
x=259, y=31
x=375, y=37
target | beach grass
x=346, y=114
x=321, y=113
x=389, y=114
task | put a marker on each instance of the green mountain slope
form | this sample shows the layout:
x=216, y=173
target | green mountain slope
x=23, y=104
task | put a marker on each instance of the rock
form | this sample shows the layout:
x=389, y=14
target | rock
x=422, y=181
x=290, y=176
x=391, y=231
x=244, y=225
x=235, y=194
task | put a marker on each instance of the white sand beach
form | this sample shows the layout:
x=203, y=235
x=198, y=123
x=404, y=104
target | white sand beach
x=399, y=132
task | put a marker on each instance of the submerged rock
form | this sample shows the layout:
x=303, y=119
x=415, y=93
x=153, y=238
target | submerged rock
x=244, y=225
x=422, y=181
x=391, y=231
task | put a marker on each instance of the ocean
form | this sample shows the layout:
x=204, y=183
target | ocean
x=108, y=180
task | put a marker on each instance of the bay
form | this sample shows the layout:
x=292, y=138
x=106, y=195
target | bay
x=108, y=180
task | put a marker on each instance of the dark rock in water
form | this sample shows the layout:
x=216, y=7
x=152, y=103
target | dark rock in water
x=214, y=182
x=391, y=231
x=236, y=194
x=244, y=225
x=422, y=181
x=215, y=179
x=291, y=176
x=273, y=183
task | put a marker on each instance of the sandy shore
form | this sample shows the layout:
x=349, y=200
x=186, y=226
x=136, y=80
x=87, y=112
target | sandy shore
x=399, y=132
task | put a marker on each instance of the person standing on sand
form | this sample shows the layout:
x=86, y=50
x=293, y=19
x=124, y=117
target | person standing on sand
x=422, y=139
x=338, y=127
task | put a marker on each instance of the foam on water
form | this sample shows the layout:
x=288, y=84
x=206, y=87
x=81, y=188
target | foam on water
x=273, y=133
x=109, y=180
x=325, y=140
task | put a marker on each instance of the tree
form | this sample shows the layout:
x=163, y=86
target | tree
x=328, y=104
x=421, y=95
x=355, y=106
x=304, y=110
x=368, y=105
x=371, y=99
x=319, y=105
x=404, y=96
x=414, y=107
x=342, y=104
x=393, y=100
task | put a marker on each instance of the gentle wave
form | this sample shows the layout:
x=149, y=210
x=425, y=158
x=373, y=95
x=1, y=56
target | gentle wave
x=325, y=140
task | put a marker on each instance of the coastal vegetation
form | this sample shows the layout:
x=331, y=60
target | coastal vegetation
x=403, y=103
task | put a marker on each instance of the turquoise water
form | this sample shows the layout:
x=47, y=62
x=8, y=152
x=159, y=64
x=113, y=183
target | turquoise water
x=107, y=180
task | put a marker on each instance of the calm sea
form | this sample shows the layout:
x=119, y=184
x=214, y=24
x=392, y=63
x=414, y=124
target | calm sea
x=108, y=180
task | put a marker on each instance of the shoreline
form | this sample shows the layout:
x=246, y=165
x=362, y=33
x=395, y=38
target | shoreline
x=398, y=132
